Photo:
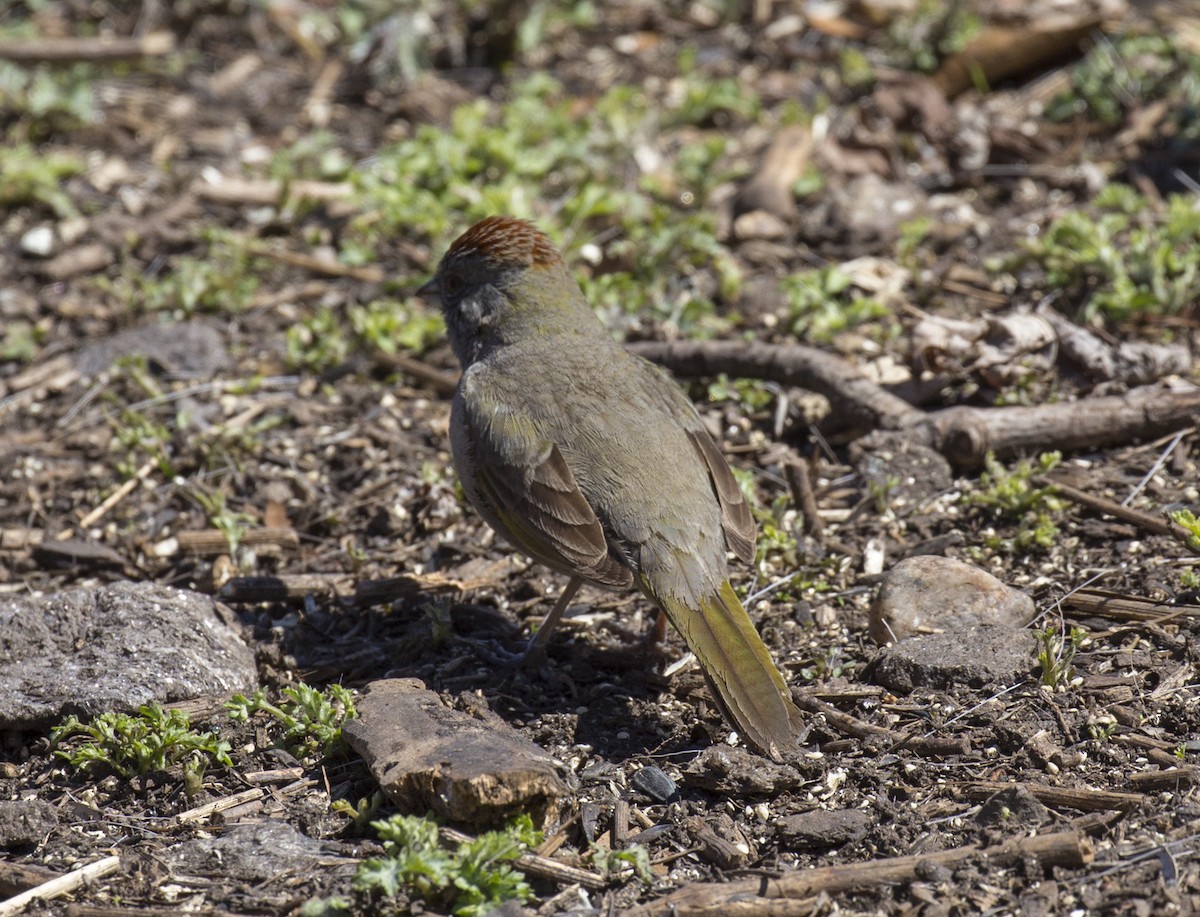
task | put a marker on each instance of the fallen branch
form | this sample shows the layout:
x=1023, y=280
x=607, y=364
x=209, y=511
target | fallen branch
x=1081, y=798
x=760, y=896
x=964, y=435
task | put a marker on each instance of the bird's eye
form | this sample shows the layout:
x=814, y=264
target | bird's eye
x=452, y=284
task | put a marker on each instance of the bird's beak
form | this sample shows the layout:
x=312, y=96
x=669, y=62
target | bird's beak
x=430, y=289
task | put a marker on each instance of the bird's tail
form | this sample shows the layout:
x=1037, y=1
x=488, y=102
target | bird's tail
x=739, y=669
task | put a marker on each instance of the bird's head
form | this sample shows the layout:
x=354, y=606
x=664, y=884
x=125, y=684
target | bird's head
x=502, y=280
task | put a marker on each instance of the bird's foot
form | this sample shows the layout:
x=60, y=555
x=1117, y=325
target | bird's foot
x=532, y=656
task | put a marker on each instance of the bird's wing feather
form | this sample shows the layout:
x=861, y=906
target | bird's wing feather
x=736, y=521
x=529, y=487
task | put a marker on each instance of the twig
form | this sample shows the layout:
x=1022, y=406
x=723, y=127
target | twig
x=1112, y=507
x=113, y=499
x=1127, y=607
x=62, y=885
x=219, y=805
x=852, y=726
x=541, y=866
x=800, y=484
x=1173, y=778
x=208, y=541
x=759, y=896
x=1081, y=798
x=443, y=383
x=94, y=50
x=318, y=265
x=262, y=192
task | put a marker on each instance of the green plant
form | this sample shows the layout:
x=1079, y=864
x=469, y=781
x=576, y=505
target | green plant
x=360, y=815
x=31, y=176
x=930, y=30
x=320, y=341
x=1190, y=525
x=829, y=665
x=47, y=100
x=1013, y=496
x=222, y=280
x=1126, y=259
x=470, y=880
x=541, y=145
x=634, y=858
x=821, y=303
x=751, y=395
x=1056, y=654
x=152, y=739
x=1118, y=77
x=312, y=720
x=231, y=524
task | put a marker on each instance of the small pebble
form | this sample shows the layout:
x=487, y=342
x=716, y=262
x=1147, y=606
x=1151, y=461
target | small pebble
x=38, y=242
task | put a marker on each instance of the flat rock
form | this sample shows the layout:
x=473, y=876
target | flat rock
x=248, y=853
x=189, y=348
x=822, y=829
x=1015, y=808
x=929, y=594
x=114, y=648
x=427, y=756
x=739, y=772
x=25, y=822
x=976, y=657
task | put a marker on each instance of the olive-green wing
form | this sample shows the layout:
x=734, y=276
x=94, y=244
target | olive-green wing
x=736, y=520
x=528, y=486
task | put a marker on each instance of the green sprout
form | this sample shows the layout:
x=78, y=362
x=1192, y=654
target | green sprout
x=312, y=720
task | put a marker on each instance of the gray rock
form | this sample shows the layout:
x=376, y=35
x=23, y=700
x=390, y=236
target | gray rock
x=248, y=853
x=25, y=822
x=1014, y=808
x=976, y=657
x=114, y=648
x=190, y=348
x=933, y=594
x=819, y=829
x=427, y=756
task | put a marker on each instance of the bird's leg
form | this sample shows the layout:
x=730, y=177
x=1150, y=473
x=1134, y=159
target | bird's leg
x=537, y=645
x=657, y=633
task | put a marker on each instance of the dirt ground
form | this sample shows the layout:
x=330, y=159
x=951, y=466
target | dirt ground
x=280, y=413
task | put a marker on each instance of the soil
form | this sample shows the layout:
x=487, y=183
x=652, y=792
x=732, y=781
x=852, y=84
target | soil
x=345, y=477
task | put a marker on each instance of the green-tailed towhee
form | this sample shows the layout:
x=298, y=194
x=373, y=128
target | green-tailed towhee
x=595, y=462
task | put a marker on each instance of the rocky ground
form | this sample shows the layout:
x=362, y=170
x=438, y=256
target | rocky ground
x=931, y=275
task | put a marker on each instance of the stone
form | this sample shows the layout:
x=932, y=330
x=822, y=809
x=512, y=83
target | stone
x=975, y=658
x=822, y=829
x=930, y=594
x=256, y=852
x=25, y=822
x=114, y=648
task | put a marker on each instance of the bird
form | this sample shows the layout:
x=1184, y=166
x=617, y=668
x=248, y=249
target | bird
x=595, y=463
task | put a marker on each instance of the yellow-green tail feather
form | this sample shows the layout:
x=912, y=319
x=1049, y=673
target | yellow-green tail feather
x=739, y=669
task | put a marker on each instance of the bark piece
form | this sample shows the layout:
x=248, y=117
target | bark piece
x=427, y=756
x=1001, y=52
